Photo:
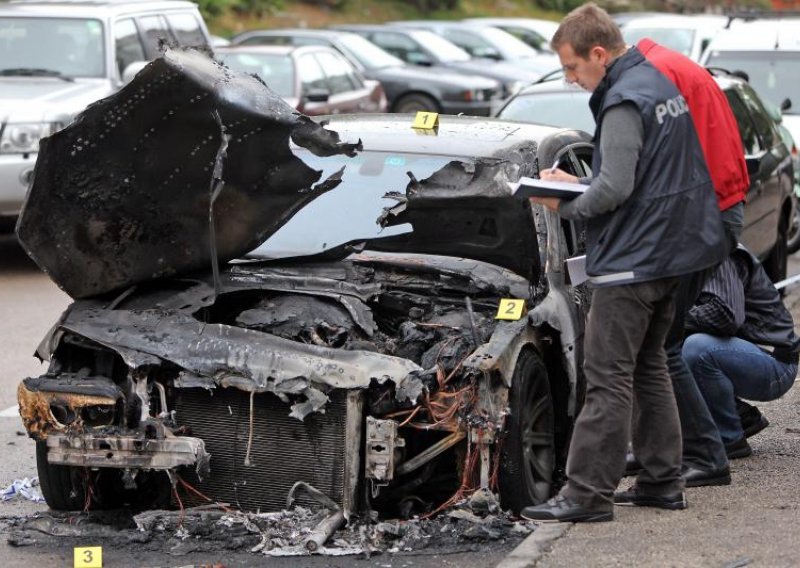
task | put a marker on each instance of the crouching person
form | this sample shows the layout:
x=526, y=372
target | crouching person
x=742, y=344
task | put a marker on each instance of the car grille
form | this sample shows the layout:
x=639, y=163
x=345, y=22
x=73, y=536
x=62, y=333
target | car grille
x=284, y=450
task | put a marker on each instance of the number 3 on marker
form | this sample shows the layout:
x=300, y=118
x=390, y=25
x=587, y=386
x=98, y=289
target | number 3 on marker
x=510, y=309
x=88, y=557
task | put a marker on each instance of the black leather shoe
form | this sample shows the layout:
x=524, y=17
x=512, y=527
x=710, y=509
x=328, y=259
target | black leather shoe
x=738, y=449
x=561, y=509
x=632, y=465
x=696, y=477
x=635, y=496
x=752, y=419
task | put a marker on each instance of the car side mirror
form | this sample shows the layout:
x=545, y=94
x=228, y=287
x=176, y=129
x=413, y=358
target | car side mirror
x=317, y=95
x=753, y=165
x=786, y=104
x=416, y=58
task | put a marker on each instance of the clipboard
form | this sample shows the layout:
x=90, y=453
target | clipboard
x=528, y=187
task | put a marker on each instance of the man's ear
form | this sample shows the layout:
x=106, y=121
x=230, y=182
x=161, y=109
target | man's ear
x=599, y=53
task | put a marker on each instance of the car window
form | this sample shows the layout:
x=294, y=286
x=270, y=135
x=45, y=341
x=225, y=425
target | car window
x=472, y=43
x=398, y=45
x=764, y=123
x=70, y=46
x=366, y=53
x=444, y=50
x=767, y=71
x=128, y=45
x=747, y=129
x=187, y=29
x=567, y=109
x=338, y=72
x=527, y=35
x=311, y=75
x=277, y=71
x=154, y=29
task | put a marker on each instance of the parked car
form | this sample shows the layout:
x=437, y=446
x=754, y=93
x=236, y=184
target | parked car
x=768, y=210
x=423, y=47
x=689, y=35
x=536, y=32
x=403, y=334
x=313, y=79
x=767, y=51
x=408, y=88
x=56, y=57
x=483, y=41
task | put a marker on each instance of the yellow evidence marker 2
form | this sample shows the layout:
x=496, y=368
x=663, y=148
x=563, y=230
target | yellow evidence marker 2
x=426, y=120
x=88, y=557
x=510, y=309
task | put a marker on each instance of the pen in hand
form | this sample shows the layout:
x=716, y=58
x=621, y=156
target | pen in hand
x=555, y=166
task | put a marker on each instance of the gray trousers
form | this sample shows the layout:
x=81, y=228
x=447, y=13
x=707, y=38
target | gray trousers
x=624, y=347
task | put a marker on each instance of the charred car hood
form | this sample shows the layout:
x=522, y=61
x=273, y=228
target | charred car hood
x=191, y=165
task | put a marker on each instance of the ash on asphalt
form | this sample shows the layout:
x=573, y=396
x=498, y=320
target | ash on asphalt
x=273, y=534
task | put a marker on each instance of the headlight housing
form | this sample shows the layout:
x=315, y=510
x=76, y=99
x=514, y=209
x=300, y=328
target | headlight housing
x=23, y=137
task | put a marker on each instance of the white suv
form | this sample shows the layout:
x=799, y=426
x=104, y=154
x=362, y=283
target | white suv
x=56, y=57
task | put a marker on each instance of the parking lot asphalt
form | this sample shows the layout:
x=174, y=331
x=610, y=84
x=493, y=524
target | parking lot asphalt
x=752, y=522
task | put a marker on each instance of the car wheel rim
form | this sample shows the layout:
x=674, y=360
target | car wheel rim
x=538, y=442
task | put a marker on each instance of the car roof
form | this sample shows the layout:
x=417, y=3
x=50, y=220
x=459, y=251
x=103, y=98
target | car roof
x=698, y=21
x=89, y=8
x=330, y=34
x=461, y=136
x=759, y=35
x=265, y=49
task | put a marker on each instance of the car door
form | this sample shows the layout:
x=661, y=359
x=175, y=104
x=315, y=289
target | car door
x=348, y=93
x=313, y=83
x=760, y=225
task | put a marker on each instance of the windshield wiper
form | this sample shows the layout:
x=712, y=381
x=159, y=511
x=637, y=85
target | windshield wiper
x=33, y=72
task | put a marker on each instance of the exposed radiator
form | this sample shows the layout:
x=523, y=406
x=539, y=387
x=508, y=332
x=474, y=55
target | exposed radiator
x=322, y=450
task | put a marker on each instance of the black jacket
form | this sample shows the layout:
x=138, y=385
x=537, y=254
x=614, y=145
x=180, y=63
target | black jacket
x=670, y=225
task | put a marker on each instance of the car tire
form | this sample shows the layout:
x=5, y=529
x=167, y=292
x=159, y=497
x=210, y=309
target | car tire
x=776, y=262
x=415, y=102
x=528, y=454
x=64, y=486
x=793, y=234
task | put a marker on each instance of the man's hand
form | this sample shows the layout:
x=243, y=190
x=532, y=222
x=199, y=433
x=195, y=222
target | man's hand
x=557, y=175
x=551, y=203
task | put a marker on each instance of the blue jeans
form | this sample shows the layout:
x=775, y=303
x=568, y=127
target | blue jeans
x=727, y=367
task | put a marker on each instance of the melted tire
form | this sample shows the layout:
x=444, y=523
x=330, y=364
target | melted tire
x=528, y=456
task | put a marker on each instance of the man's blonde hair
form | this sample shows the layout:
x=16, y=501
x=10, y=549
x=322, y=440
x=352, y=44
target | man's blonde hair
x=586, y=27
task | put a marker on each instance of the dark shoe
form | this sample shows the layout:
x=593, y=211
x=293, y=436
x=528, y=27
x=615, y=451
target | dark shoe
x=752, y=419
x=632, y=465
x=738, y=449
x=561, y=509
x=695, y=477
x=635, y=496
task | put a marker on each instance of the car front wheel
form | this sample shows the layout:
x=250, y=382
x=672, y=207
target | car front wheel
x=527, y=458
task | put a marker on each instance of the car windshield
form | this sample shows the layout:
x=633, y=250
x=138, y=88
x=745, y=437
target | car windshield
x=443, y=49
x=275, y=70
x=351, y=210
x=68, y=47
x=769, y=72
x=367, y=53
x=677, y=39
x=568, y=109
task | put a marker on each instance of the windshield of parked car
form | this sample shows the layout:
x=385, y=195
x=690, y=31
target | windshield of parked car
x=773, y=74
x=350, y=211
x=443, y=49
x=276, y=70
x=367, y=53
x=677, y=39
x=68, y=47
x=568, y=109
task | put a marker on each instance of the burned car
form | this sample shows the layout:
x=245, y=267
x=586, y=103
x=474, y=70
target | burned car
x=353, y=305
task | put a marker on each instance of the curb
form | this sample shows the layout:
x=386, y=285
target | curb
x=536, y=545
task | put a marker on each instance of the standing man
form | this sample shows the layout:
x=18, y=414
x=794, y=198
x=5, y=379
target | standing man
x=704, y=457
x=651, y=218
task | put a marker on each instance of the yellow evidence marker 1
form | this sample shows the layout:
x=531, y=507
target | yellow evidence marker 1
x=88, y=557
x=426, y=120
x=510, y=309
